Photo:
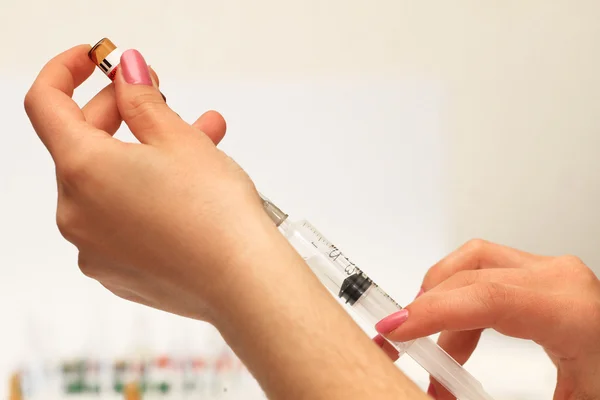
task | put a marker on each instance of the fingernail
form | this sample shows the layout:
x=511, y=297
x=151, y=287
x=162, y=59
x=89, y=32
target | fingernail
x=431, y=391
x=379, y=340
x=134, y=67
x=392, y=322
x=420, y=293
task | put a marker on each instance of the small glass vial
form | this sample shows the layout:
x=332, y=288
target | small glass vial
x=106, y=56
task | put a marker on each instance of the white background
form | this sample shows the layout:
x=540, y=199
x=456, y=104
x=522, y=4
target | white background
x=400, y=129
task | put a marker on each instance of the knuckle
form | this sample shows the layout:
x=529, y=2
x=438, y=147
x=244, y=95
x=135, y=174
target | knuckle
x=29, y=100
x=588, y=275
x=33, y=98
x=142, y=105
x=475, y=245
x=431, y=309
x=73, y=173
x=571, y=261
x=76, y=169
x=465, y=278
x=86, y=266
x=492, y=294
x=576, y=267
x=66, y=221
x=446, y=267
x=433, y=277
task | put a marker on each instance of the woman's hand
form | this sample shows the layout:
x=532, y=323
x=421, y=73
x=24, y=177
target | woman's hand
x=554, y=301
x=174, y=223
x=158, y=222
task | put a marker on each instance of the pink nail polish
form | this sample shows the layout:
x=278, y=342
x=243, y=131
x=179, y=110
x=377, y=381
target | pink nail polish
x=431, y=391
x=392, y=322
x=379, y=340
x=134, y=68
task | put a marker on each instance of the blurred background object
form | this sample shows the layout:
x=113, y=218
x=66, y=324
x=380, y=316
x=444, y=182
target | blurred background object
x=14, y=387
x=202, y=376
x=419, y=124
x=132, y=392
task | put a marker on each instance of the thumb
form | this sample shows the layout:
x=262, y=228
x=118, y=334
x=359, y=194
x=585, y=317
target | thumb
x=141, y=104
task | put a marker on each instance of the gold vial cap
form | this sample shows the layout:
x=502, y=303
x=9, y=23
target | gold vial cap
x=107, y=57
x=100, y=50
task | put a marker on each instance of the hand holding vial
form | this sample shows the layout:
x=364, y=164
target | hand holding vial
x=124, y=204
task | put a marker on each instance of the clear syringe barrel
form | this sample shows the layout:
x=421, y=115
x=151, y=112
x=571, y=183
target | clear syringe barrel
x=371, y=304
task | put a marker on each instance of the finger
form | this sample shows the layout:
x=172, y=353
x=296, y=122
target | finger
x=213, y=125
x=508, y=276
x=510, y=310
x=102, y=111
x=434, y=388
x=56, y=118
x=387, y=348
x=155, y=79
x=141, y=104
x=439, y=392
x=460, y=346
x=476, y=254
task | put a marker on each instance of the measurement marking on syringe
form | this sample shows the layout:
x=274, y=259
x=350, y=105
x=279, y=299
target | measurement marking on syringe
x=335, y=253
x=331, y=251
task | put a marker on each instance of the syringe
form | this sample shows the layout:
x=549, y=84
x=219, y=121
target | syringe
x=369, y=302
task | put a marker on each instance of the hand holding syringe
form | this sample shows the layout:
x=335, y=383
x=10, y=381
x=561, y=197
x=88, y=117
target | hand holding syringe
x=369, y=302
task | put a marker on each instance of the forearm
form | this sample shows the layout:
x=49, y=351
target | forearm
x=295, y=339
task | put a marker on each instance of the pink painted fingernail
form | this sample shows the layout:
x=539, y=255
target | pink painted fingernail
x=420, y=293
x=431, y=391
x=134, y=67
x=392, y=322
x=379, y=340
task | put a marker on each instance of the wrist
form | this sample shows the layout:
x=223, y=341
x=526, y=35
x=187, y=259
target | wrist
x=248, y=277
x=286, y=328
x=578, y=378
x=241, y=267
